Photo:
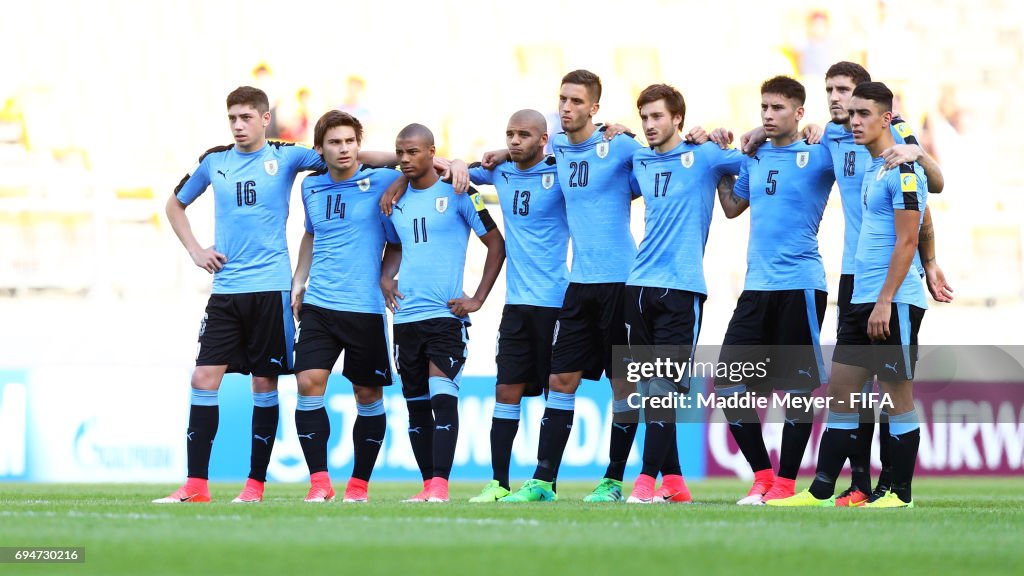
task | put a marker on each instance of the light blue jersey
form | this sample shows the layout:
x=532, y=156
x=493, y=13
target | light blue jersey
x=348, y=239
x=850, y=162
x=788, y=188
x=598, y=184
x=884, y=192
x=679, y=189
x=251, y=192
x=536, y=231
x=433, y=227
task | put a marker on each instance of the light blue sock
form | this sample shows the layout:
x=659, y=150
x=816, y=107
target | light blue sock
x=310, y=403
x=506, y=411
x=264, y=399
x=902, y=423
x=204, y=397
x=375, y=408
x=561, y=401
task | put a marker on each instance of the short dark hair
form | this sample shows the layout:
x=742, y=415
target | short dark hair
x=252, y=96
x=876, y=92
x=673, y=99
x=587, y=79
x=785, y=86
x=333, y=119
x=851, y=70
x=417, y=131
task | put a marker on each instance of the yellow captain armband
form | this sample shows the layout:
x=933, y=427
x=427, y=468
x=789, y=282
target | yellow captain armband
x=908, y=182
x=478, y=202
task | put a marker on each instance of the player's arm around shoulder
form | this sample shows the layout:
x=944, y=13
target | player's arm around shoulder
x=734, y=192
x=389, y=265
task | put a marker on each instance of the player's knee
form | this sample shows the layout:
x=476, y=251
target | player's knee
x=367, y=394
x=565, y=383
x=264, y=383
x=207, y=377
x=508, y=393
x=622, y=388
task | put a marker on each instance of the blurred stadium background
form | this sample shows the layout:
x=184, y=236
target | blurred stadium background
x=104, y=105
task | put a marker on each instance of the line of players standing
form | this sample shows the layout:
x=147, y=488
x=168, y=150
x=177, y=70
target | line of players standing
x=560, y=327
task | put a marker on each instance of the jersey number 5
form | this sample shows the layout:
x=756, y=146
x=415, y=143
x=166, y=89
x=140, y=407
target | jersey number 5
x=770, y=190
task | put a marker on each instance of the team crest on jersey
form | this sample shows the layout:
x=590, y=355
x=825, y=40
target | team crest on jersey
x=364, y=184
x=602, y=149
x=687, y=159
x=441, y=204
x=547, y=181
x=903, y=130
x=270, y=166
x=802, y=158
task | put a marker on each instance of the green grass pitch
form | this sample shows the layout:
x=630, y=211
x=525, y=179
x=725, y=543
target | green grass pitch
x=960, y=525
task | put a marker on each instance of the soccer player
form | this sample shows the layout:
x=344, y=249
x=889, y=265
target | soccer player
x=851, y=161
x=536, y=242
x=343, y=309
x=596, y=178
x=247, y=326
x=785, y=185
x=430, y=228
x=665, y=291
x=878, y=333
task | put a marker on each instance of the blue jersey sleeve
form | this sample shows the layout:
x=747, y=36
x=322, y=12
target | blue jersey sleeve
x=194, y=183
x=474, y=212
x=725, y=162
x=388, y=176
x=626, y=151
x=304, y=158
x=634, y=184
x=305, y=210
x=479, y=175
x=390, y=234
x=742, y=187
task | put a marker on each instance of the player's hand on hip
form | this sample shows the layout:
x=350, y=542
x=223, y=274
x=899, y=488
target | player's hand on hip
x=723, y=137
x=389, y=288
x=298, y=293
x=878, y=322
x=697, y=135
x=812, y=133
x=940, y=289
x=900, y=154
x=462, y=307
x=209, y=259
